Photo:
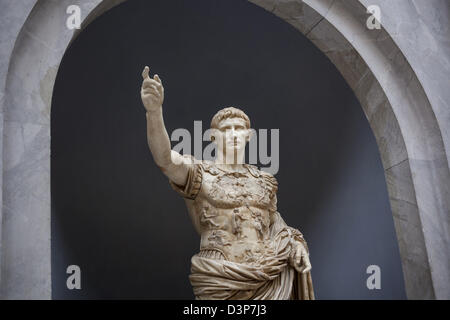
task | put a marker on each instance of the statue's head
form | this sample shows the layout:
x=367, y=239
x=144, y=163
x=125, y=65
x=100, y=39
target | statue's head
x=230, y=129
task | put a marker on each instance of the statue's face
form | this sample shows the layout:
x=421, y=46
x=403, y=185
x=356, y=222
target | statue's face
x=232, y=135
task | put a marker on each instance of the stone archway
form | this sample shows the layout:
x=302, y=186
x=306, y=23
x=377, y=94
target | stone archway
x=405, y=124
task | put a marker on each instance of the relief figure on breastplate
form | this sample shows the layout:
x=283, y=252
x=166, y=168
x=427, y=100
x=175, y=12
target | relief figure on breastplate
x=246, y=249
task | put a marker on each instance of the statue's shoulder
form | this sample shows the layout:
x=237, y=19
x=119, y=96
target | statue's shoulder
x=210, y=167
x=270, y=178
x=257, y=173
x=201, y=165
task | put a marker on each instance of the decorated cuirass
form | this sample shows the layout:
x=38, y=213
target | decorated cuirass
x=223, y=205
x=230, y=189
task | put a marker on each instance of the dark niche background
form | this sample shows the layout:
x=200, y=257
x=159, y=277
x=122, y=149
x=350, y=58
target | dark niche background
x=114, y=213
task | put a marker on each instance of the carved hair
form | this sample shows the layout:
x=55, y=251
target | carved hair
x=229, y=112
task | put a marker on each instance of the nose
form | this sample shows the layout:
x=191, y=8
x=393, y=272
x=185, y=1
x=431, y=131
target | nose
x=232, y=132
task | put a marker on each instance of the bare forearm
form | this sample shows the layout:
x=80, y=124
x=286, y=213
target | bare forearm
x=171, y=162
x=158, y=139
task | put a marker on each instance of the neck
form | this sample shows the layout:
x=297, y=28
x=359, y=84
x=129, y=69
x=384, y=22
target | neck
x=231, y=160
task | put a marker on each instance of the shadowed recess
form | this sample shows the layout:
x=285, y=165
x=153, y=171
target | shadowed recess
x=113, y=212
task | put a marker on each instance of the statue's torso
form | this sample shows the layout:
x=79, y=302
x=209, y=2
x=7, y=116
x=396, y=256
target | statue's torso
x=233, y=212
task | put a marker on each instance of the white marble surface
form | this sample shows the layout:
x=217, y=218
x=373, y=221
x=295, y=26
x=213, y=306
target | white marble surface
x=29, y=78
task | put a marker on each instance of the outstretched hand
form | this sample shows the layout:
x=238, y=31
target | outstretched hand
x=152, y=91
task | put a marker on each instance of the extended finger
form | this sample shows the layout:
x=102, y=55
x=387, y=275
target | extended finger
x=145, y=73
x=159, y=86
x=157, y=78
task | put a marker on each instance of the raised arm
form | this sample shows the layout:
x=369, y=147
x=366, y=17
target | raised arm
x=172, y=164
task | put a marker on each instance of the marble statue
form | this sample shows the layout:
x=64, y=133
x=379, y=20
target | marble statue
x=246, y=250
